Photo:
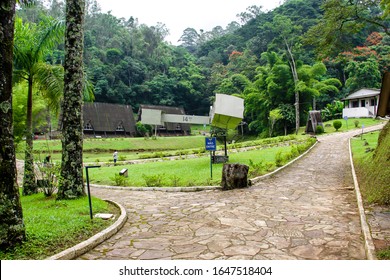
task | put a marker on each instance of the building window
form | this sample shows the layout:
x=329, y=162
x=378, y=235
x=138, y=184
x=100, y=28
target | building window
x=373, y=102
x=355, y=104
x=120, y=127
x=88, y=126
x=362, y=103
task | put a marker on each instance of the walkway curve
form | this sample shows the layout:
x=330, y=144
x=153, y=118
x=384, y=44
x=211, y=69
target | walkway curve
x=306, y=211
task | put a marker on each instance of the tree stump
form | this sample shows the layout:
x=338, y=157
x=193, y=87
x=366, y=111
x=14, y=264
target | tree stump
x=234, y=176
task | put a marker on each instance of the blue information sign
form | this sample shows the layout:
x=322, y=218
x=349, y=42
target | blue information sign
x=211, y=144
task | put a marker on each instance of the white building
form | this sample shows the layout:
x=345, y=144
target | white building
x=361, y=104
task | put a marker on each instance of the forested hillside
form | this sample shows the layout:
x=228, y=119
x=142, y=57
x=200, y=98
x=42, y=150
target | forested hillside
x=286, y=62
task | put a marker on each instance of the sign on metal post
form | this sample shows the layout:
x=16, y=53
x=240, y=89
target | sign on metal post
x=211, y=145
x=346, y=120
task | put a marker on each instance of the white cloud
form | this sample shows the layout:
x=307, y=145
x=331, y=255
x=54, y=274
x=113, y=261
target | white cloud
x=178, y=15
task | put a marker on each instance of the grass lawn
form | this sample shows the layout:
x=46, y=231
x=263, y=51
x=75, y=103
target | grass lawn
x=188, y=172
x=53, y=226
x=347, y=125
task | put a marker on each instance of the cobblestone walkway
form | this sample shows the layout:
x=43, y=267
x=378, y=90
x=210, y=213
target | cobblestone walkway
x=306, y=211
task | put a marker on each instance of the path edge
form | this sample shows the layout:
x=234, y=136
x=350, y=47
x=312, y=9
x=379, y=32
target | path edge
x=258, y=179
x=92, y=242
x=368, y=242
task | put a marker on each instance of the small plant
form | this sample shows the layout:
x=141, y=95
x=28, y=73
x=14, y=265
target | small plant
x=356, y=123
x=153, y=180
x=119, y=180
x=122, y=158
x=279, y=159
x=337, y=125
x=256, y=169
x=49, y=174
x=319, y=129
x=175, y=181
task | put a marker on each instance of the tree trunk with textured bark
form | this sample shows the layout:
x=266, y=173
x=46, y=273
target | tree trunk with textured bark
x=29, y=182
x=234, y=176
x=12, y=230
x=71, y=185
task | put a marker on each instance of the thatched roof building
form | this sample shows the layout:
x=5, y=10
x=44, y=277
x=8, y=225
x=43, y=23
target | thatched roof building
x=104, y=119
x=168, y=128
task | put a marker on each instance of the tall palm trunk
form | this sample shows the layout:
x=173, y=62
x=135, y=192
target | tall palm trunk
x=29, y=184
x=72, y=128
x=296, y=80
x=12, y=230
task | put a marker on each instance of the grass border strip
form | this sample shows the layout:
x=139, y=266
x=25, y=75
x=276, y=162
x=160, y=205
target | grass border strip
x=262, y=177
x=368, y=242
x=87, y=245
x=161, y=189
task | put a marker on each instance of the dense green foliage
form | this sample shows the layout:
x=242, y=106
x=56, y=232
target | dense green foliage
x=270, y=59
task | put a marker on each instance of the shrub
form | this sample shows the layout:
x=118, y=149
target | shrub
x=119, y=180
x=256, y=169
x=319, y=129
x=337, y=125
x=356, y=122
x=175, y=180
x=279, y=159
x=48, y=174
x=153, y=180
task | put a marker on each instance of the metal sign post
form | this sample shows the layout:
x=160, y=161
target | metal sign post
x=89, y=191
x=346, y=121
x=211, y=145
x=361, y=136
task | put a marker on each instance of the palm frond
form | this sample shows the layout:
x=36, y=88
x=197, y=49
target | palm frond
x=52, y=34
x=50, y=79
x=88, y=90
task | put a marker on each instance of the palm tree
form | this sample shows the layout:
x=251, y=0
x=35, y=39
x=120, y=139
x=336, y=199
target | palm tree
x=32, y=42
x=71, y=185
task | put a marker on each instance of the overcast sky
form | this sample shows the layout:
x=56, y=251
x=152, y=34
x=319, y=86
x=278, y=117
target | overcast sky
x=178, y=15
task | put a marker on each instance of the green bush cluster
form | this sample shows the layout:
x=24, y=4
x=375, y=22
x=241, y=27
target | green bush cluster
x=119, y=180
x=296, y=150
x=259, y=168
x=337, y=125
x=320, y=129
x=153, y=180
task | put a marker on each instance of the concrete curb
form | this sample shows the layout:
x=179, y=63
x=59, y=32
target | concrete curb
x=95, y=240
x=368, y=242
x=258, y=179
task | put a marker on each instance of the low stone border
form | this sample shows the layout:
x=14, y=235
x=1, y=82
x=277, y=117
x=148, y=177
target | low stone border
x=368, y=242
x=257, y=179
x=95, y=240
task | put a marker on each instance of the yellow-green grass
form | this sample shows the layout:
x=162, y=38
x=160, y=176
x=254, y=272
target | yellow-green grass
x=189, y=172
x=347, y=125
x=53, y=226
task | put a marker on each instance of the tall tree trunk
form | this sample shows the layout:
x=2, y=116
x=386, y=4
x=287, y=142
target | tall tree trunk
x=29, y=184
x=71, y=185
x=296, y=80
x=12, y=230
